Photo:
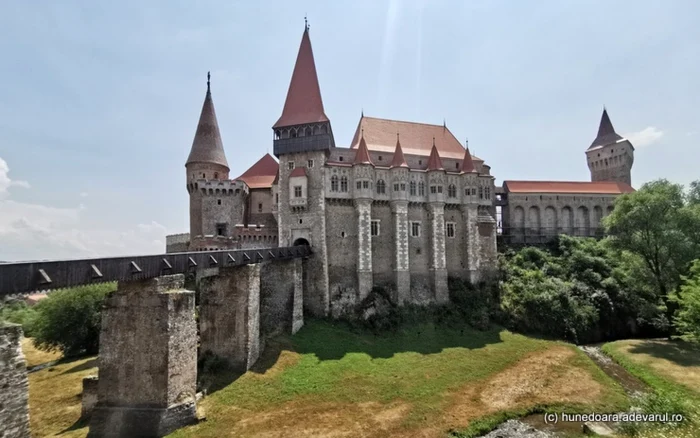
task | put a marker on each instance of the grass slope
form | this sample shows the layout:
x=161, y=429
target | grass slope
x=422, y=381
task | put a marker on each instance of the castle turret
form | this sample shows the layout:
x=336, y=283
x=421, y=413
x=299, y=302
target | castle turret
x=436, y=214
x=399, y=218
x=610, y=156
x=216, y=203
x=363, y=192
x=302, y=140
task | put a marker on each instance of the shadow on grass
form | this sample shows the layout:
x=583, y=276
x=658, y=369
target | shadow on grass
x=678, y=352
x=92, y=363
x=81, y=423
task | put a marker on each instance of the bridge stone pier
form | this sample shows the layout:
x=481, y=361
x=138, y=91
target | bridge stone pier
x=14, y=397
x=147, y=361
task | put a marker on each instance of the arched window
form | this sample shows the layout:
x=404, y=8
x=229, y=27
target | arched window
x=381, y=187
x=412, y=188
x=308, y=131
x=293, y=133
x=452, y=191
x=277, y=134
x=343, y=183
x=421, y=188
x=216, y=175
x=334, y=183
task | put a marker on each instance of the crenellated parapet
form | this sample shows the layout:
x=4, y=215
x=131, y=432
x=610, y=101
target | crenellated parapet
x=214, y=187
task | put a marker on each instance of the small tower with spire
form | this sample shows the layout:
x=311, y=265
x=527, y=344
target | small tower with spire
x=610, y=156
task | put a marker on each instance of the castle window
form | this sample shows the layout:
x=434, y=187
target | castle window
x=381, y=187
x=344, y=184
x=380, y=158
x=259, y=208
x=221, y=229
x=481, y=193
x=277, y=198
x=452, y=191
x=310, y=164
x=216, y=175
x=467, y=191
x=374, y=228
x=473, y=191
x=204, y=176
x=340, y=158
x=218, y=201
x=487, y=194
x=456, y=165
x=342, y=234
x=396, y=187
x=415, y=229
x=450, y=229
x=421, y=188
x=365, y=184
x=294, y=133
x=403, y=187
x=290, y=165
x=334, y=183
x=412, y=188
x=439, y=189
x=433, y=189
x=359, y=185
x=420, y=162
x=307, y=132
x=297, y=191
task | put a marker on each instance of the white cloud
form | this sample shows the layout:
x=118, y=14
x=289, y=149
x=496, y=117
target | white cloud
x=36, y=232
x=6, y=182
x=645, y=137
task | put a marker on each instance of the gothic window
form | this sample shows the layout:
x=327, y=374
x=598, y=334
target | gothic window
x=403, y=187
x=344, y=184
x=415, y=229
x=359, y=185
x=439, y=189
x=481, y=193
x=452, y=191
x=467, y=191
x=324, y=130
x=374, y=228
x=307, y=131
x=450, y=229
x=396, y=187
x=365, y=184
x=334, y=183
x=433, y=189
x=421, y=188
x=277, y=134
x=293, y=133
x=290, y=165
x=412, y=188
x=381, y=187
x=297, y=191
x=487, y=193
x=473, y=191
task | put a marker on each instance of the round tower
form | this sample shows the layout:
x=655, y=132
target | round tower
x=610, y=156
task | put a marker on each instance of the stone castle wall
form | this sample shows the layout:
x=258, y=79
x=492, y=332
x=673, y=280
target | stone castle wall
x=14, y=402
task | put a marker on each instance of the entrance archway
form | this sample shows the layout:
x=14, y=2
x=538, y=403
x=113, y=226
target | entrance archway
x=301, y=242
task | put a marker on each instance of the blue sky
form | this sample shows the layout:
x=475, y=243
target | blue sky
x=100, y=100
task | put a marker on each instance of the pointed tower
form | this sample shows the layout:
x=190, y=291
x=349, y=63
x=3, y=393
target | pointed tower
x=207, y=159
x=302, y=141
x=399, y=221
x=610, y=156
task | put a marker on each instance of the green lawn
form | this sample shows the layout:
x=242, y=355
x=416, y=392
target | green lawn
x=672, y=371
x=422, y=381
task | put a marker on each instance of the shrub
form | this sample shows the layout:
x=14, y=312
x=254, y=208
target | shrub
x=18, y=312
x=69, y=320
x=687, y=319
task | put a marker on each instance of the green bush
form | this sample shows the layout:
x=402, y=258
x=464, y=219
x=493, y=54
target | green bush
x=687, y=318
x=18, y=312
x=69, y=320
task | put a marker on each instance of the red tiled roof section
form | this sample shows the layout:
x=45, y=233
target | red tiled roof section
x=261, y=174
x=362, y=154
x=467, y=162
x=434, y=162
x=416, y=138
x=304, y=103
x=399, y=160
x=297, y=171
x=583, y=187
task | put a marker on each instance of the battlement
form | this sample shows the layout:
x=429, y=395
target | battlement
x=217, y=187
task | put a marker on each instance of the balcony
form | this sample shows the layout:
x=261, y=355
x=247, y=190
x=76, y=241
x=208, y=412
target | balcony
x=319, y=142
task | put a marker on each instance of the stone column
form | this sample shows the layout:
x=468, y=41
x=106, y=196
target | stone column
x=14, y=388
x=298, y=303
x=438, y=266
x=471, y=243
x=402, y=274
x=363, y=207
x=147, y=361
x=229, y=315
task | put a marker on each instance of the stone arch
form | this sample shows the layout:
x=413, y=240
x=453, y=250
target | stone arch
x=549, y=222
x=610, y=209
x=567, y=220
x=301, y=242
x=518, y=225
x=293, y=132
x=597, y=219
x=308, y=131
x=582, y=221
x=317, y=130
x=533, y=220
x=324, y=130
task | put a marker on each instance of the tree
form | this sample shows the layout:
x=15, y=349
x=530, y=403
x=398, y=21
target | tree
x=654, y=223
x=687, y=318
x=69, y=320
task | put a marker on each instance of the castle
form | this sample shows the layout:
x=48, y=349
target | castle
x=403, y=207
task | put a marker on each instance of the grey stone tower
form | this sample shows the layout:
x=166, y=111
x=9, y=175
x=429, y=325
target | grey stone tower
x=302, y=141
x=610, y=156
x=215, y=201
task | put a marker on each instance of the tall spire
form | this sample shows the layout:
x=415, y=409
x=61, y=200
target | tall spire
x=399, y=160
x=434, y=161
x=207, y=146
x=606, y=132
x=467, y=162
x=362, y=154
x=304, y=103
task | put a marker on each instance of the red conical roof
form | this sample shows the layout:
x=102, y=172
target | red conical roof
x=434, y=161
x=399, y=160
x=207, y=146
x=606, y=132
x=304, y=103
x=468, y=163
x=362, y=155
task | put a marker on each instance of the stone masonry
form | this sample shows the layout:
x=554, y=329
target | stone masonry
x=14, y=388
x=147, y=360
